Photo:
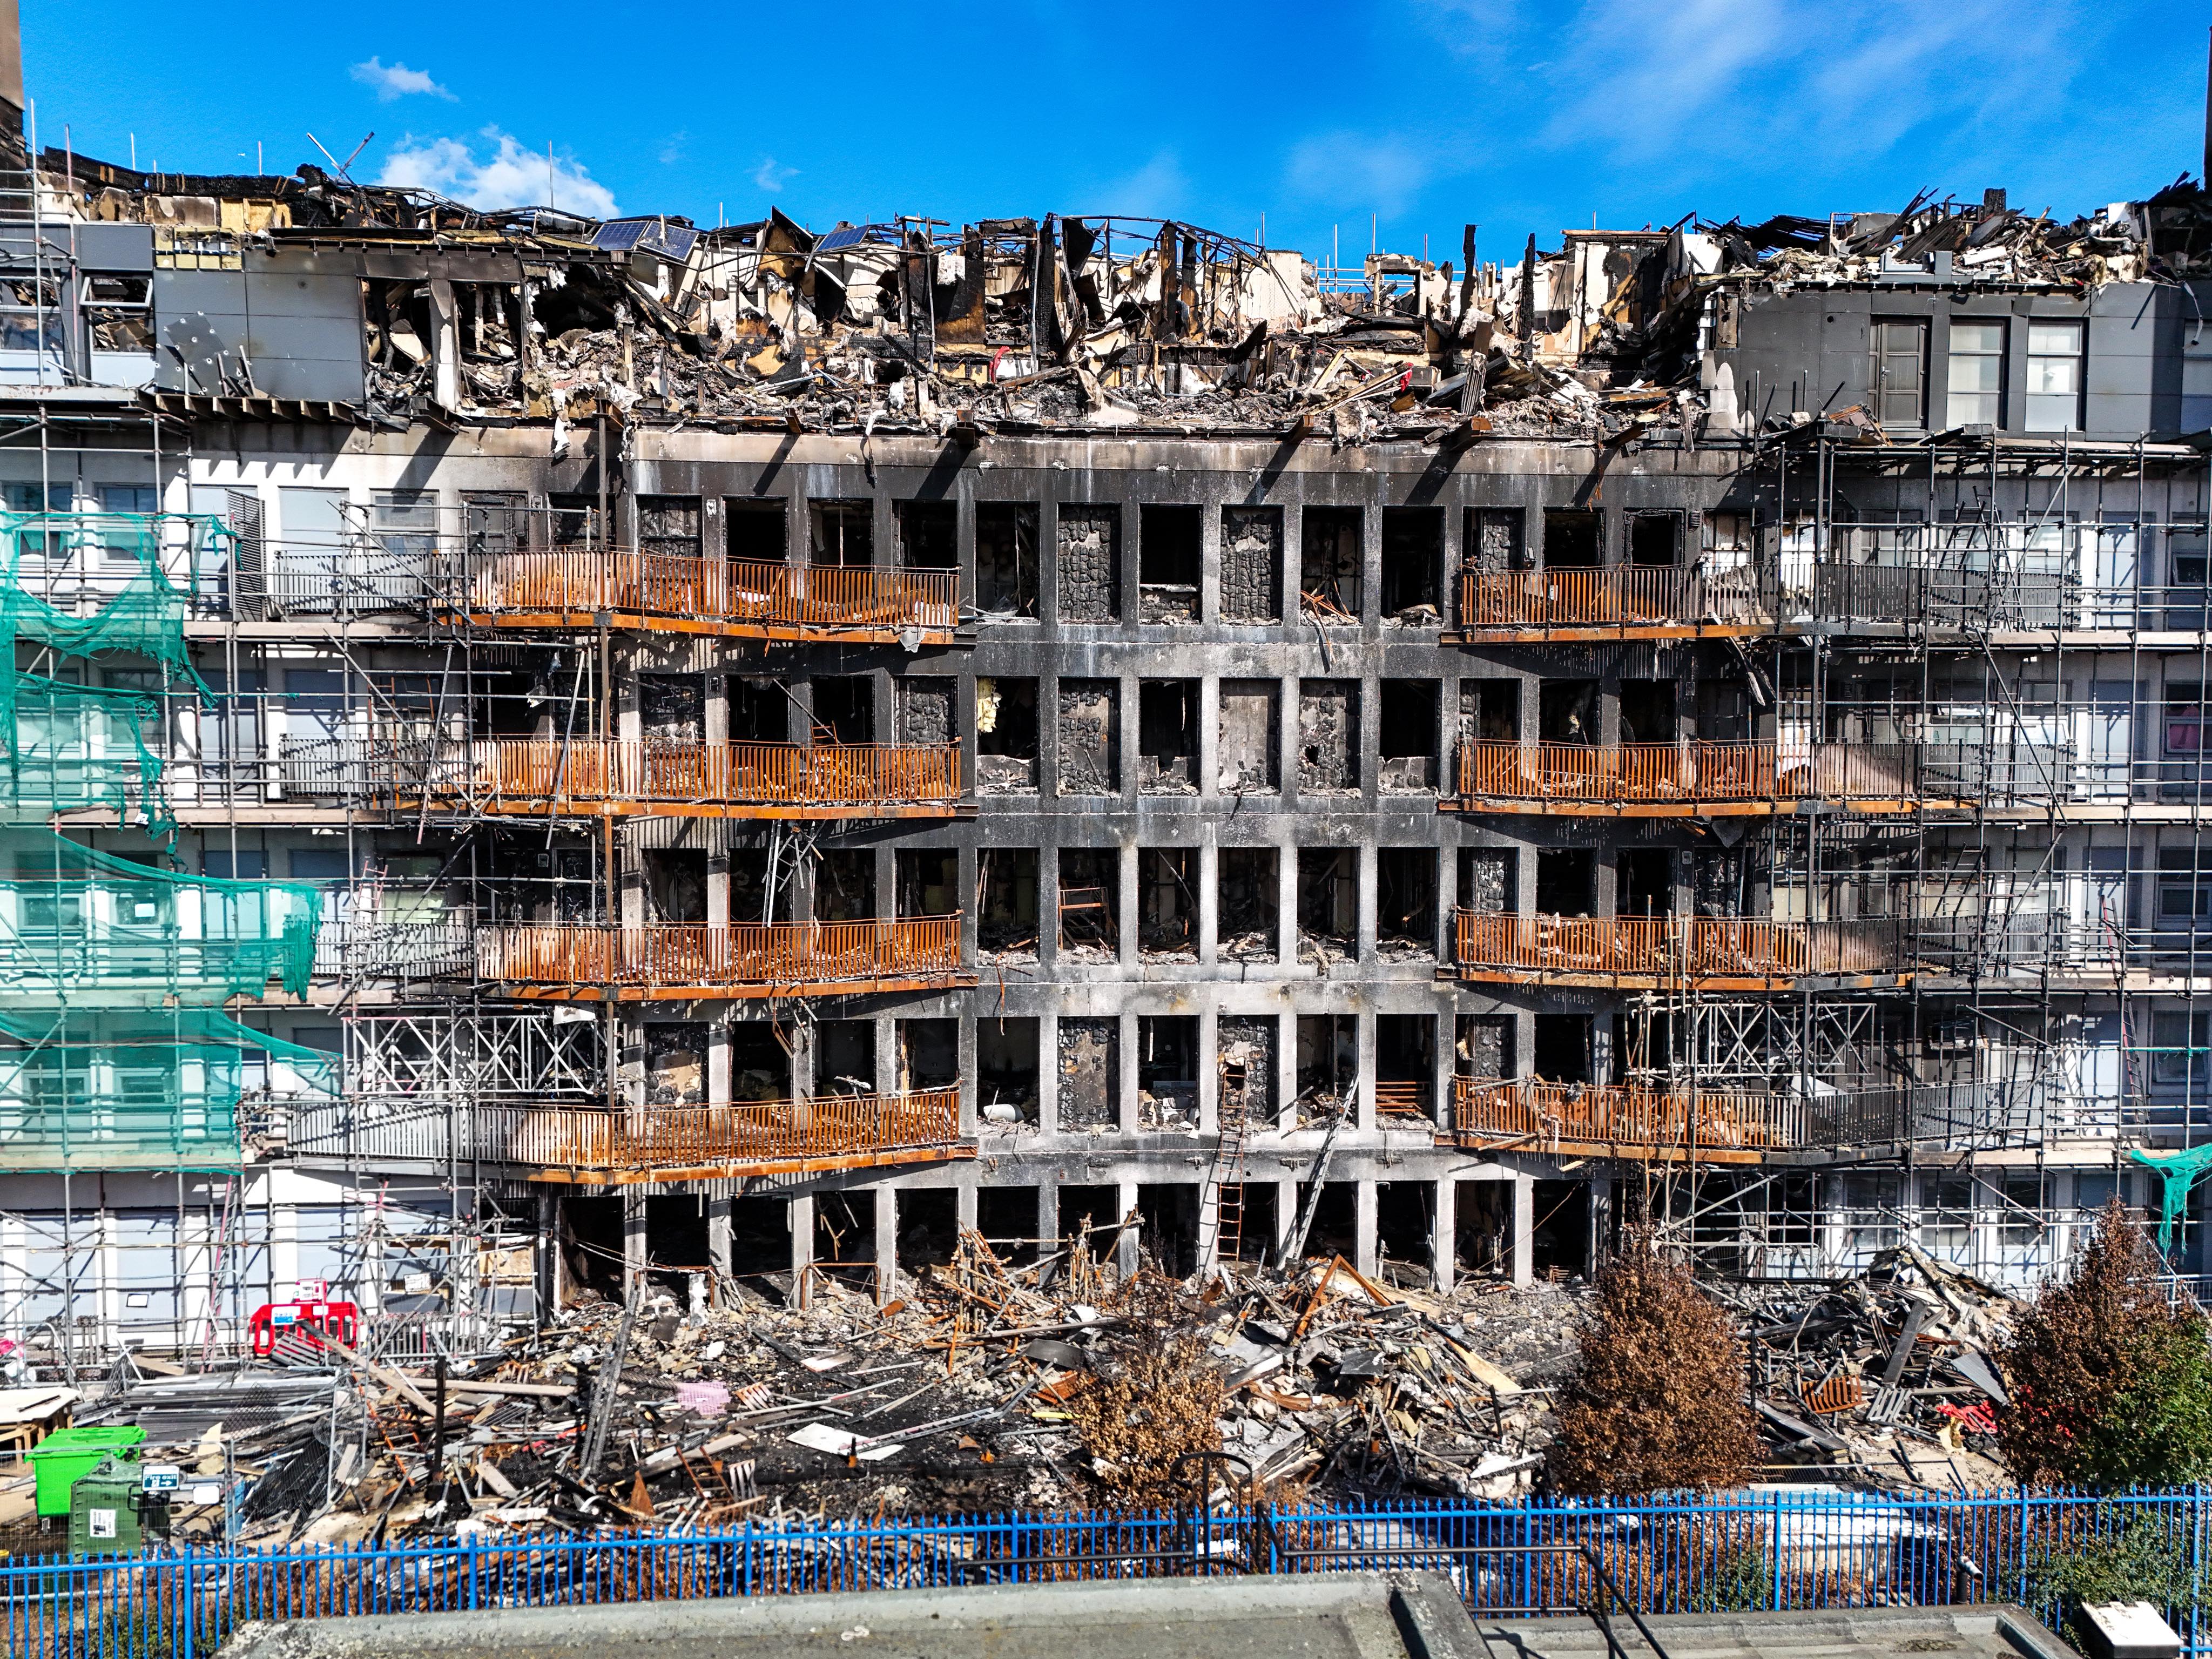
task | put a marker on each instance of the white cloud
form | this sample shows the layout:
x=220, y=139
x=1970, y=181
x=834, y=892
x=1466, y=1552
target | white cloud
x=394, y=81
x=1157, y=190
x=510, y=176
x=1380, y=173
x=671, y=148
x=772, y=177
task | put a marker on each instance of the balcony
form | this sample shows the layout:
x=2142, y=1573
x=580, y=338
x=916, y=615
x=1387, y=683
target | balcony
x=1616, y=602
x=1639, y=952
x=592, y=778
x=1681, y=779
x=1613, y=1120
x=683, y=961
x=574, y=588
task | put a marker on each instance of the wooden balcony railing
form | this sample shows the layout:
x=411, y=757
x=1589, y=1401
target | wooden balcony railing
x=1650, y=1121
x=674, y=960
x=1647, y=600
x=780, y=780
x=758, y=1137
x=1398, y=1100
x=1675, y=949
x=730, y=596
x=1686, y=777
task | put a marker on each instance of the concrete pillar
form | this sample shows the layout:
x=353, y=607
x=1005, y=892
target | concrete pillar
x=963, y=1199
x=1601, y=1220
x=1443, y=1236
x=802, y=1249
x=1209, y=897
x=1363, y=1070
x=1047, y=1077
x=634, y=1249
x=886, y=1197
x=1125, y=1200
x=445, y=345
x=1286, y=1215
x=1209, y=1072
x=1524, y=1229
x=551, y=1267
x=1125, y=1083
x=1287, y=893
x=1048, y=1221
x=718, y=1248
x=1364, y=1222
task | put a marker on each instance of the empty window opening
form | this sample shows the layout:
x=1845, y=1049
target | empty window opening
x=1167, y=903
x=923, y=707
x=845, y=709
x=1329, y=565
x=1167, y=563
x=749, y=894
x=675, y=1241
x=1647, y=711
x=504, y=705
x=845, y=1238
x=1089, y=897
x=845, y=1057
x=1250, y=902
x=755, y=530
x=1408, y=737
x=841, y=532
x=1329, y=737
x=1328, y=903
x=929, y=535
x=1005, y=736
x=1006, y=560
x=671, y=707
x=1405, y=1229
x=1405, y=903
x=1166, y=1219
x=1645, y=886
x=1249, y=737
x=1327, y=1065
x=1720, y=881
x=1643, y=1046
x=759, y=710
x=1007, y=1218
x=1167, y=1072
x=676, y=885
x=1494, y=543
x=590, y=1242
x=1490, y=711
x=1566, y=712
x=1562, y=1048
x=928, y=1227
x=1413, y=566
x=845, y=885
x=760, y=1063
x=1482, y=1048
x=1559, y=1246
x=1006, y=1074
x=1088, y=1216
x=1566, y=881
x=1335, y=1228
x=668, y=526
x=1090, y=1086
x=928, y=1055
x=1167, y=737
x=928, y=881
x=1251, y=564
x=1090, y=564
x=1246, y=1052
x=1724, y=712
x=1405, y=1066
x=1006, y=903
x=1489, y=880
x=1088, y=762
x=1573, y=541
x=1655, y=538
x=675, y=1063
x=1250, y=1219
x=1482, y=1228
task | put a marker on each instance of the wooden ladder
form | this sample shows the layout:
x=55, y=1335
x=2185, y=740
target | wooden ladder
x=1224, y=1183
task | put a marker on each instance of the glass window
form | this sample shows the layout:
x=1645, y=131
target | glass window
x=1947, y=1220
x=405, y=521
x=2020, y=1205
x=2184, y=890
x=2180, y=1045
x=2054, y=376
x=1977, y=370
x=2183, y=724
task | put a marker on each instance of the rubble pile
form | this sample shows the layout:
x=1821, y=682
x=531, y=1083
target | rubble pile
x=1887, y=1379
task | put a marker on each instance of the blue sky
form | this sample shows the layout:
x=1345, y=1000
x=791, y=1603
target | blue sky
x=1407, y=119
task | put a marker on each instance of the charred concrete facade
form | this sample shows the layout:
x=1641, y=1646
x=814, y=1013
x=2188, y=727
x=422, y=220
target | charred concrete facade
x=1092, y=729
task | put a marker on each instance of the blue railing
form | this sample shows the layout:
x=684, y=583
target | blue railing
x=1744, y=1552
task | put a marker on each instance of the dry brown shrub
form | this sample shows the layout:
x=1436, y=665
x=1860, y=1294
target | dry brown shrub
x=1657, y=1401
x=1157, y=1396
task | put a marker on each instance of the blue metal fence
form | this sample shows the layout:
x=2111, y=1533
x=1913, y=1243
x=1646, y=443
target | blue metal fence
x=1737, y=1552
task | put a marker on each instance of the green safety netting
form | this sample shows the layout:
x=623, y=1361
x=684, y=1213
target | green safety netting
x=70, y=748
x=2179, y=1172
x=90, y=928
x=139, y=1088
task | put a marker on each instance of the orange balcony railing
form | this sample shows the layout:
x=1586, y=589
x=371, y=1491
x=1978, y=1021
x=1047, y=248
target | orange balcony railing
x=1722, y=950
x=1654, y=778
x=675, y=960
x=1655, y=1122
x=735, y=780
x=757, y=1137
x=1648, y=600
x=569, y=585
x=1398, y=1100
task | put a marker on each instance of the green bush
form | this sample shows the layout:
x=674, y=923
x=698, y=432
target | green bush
x=2129, y=1556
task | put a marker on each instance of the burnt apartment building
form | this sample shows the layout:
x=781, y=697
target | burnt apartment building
x=543, y=750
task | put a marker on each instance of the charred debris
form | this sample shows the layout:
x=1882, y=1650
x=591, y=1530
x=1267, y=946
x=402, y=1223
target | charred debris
x=1026, y=325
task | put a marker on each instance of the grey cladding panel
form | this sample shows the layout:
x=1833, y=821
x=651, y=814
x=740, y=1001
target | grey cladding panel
x=115, y=248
